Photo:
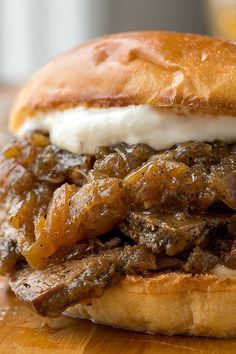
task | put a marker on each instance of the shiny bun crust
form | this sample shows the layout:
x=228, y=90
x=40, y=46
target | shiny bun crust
x=163, y=69
x=172, y=303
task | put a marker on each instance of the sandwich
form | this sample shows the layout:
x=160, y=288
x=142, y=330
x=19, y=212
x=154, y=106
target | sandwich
x=118, y=194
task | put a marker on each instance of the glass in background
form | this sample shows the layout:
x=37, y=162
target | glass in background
x=222, y=18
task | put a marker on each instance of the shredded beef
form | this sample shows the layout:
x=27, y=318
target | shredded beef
x=173, y=233
x=52, y=290
x=87, y=221
x=200, y=261
x=9, y=254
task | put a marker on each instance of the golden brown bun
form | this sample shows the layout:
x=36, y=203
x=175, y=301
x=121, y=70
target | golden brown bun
x=158, y=68
x=204, y=305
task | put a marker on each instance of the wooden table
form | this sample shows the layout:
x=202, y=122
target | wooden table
x=23, y=331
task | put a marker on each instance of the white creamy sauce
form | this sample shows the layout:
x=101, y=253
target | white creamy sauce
x=222, y=271
x=81, y=130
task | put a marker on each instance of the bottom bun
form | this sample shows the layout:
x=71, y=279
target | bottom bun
x=173, y=303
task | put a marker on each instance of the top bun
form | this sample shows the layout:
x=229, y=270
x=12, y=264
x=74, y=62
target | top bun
x=163, y=69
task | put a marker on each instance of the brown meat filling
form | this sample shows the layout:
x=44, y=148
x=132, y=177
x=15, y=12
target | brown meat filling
x=53, y=289
x=177, y=205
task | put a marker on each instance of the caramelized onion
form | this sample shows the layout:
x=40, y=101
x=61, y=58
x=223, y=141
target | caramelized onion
x=76, y=215
x=165, y=183
x=42, y=201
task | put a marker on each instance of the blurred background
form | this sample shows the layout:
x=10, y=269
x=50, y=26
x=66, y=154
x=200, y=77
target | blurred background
x=33, y=31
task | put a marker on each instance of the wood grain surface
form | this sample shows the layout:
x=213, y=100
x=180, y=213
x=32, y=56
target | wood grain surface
x=23, y=331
